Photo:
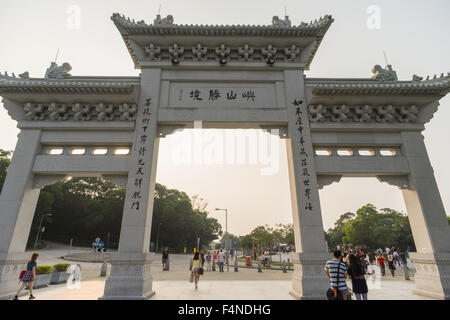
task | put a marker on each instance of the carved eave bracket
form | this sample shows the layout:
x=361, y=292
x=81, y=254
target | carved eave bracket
x=40, y=181
x=401, y=182
x=280, y=131
x=165, y=130
x=118, y=179
x=323, y=181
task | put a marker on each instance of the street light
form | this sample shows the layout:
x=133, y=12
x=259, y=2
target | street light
x=39, y=230
x=253, y=241
x=226, y=231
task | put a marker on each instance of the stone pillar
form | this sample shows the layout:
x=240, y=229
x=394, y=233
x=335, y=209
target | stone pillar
x=310, y=256
x=130, y=276
x=428, y=221
x=17, y=205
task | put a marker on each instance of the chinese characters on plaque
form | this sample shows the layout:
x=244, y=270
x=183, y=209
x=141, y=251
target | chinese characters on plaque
x=301, y=117
x=221, y=94
x=218, y=95
x=142, y=147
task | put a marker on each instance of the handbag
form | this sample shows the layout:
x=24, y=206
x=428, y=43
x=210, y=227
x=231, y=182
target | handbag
x=200, y=271
x=21, y=274
x=191, y=278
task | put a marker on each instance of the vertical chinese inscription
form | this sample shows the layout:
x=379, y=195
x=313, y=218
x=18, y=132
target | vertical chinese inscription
x=301, y=116
x=141, y=168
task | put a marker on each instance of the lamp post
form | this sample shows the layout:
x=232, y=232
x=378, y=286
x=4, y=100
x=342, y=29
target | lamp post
x=253, y=240
x=226, y=231
x=39, y=230
x=157, y=238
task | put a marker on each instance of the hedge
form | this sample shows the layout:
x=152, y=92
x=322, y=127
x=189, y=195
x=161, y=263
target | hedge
x=44, y=269
x=61, y=267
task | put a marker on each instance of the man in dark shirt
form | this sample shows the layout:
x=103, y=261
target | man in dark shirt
x=165, y=259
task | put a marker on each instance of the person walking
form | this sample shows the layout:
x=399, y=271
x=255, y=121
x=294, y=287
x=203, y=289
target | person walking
x=221, y=258
x=208, y=261
x=371, y=257
x=395, y=257
x=356, y=272
x=215, y=263
x=202, y=256
x=391, y=264
x=197, y=268
x=28, y=277
x=381, y=263
x=165, y=259
x=336, y=271
x=404, y=262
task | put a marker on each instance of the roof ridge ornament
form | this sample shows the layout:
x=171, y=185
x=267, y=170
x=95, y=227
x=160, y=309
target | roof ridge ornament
x=24, y=75
x=58, y=72
x=277, y=22
x=163, y=22
x=386, y=74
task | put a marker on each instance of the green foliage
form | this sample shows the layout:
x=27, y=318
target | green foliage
x=235, y=240
x=371, y=229
x=86, y=208
x=246, y=241
x=181, y=224
x=267, y=237
x=4, y=163
x=61, y=267
x=44, y=269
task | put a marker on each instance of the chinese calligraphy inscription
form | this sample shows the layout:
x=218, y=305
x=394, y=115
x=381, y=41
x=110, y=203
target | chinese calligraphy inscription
x=301, y=116
x=141, y=148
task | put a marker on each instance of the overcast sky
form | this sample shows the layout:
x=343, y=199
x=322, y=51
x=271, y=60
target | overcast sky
x=414, y=35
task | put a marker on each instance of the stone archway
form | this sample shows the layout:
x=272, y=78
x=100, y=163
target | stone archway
x=230, y=76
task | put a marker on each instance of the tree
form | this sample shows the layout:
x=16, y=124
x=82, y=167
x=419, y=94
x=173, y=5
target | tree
x=372, y=229
x=4, y=163
x=89, y=207
x=334, y=236
x=181, y=224
x=235, y=240
x=286, y=233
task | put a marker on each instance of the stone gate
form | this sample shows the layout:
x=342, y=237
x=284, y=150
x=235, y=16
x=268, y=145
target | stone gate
x=226, y=77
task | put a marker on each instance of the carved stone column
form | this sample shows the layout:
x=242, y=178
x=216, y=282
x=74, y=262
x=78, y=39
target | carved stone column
x=428, y=221
x=308, y=279
x=130, y=267
x=17, y=205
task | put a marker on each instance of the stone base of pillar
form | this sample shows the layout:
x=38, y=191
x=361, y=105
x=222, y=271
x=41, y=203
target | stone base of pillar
x=10, y=267
x=130, y=277
x=309, y=281
x=432, y=275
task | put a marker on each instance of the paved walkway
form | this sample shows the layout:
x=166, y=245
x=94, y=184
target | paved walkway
x=220, y=290
x=247, y=284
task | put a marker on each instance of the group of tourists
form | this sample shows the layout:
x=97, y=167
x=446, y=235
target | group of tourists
x=217, y=258
x=353, y=265
x=343, y=267
x=391, y=257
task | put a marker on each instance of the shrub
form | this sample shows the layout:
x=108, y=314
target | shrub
x=61, y=267
x=44, y=269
